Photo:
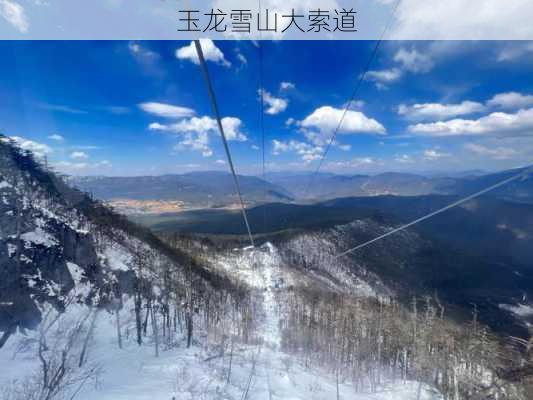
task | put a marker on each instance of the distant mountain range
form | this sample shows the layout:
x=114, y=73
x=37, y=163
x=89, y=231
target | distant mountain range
x=215, y=189
x=324, y=186
x=197, y=189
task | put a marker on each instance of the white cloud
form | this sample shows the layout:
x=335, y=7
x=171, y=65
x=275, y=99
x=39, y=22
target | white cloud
x=62, y=165
x=306, y=151
x=406, y=61
x=56, y=137
x=404, y=159
x=358, y=162
x=287, y=86
x=498, y=123
x=220, y=162
x=104, y=163
x=413, y=61
x=515, y=50
x=496, y=153
x=242, y=59
x=198, y=141
x=511, y=100
x=232, y=127
x=326, y=119
x=140, y=51
x=433, y=154
x=14, y=13
x=61, y=108
x=437, y=110
x=290, y=122
x=38, y=149
x=275, y=105
x=463, y=20
x=195, y=132
x=255, y=147
x=345, y=147
x=384, y=76
x=166, y=110
x=76, y=168
x=79, y=155
x=210, y=50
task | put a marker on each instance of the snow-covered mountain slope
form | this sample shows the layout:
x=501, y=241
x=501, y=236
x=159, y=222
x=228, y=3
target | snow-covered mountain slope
x=198, y=372
x=71, y=270
x=59, y=246
x=96, y=307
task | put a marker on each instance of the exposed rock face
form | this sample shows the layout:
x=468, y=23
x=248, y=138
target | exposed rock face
x=35, y=247
x=46, y=248
x=59, y=247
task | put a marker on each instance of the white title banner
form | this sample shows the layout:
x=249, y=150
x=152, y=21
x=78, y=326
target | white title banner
x=267, y=19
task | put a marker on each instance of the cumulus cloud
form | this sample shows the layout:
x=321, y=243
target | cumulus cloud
x=14, y=14
x=413, y=61
x=232, y=127
x=166, y=110
x=210, y=50
x=195, y=132
x=56, y=137
x=79, y=155
x=498, y=123
x=437, y=110
x=38, y=149
x=384, y=76
x=496, y=153
x=511, y=100
x=306, y=151
x=287, y=86
x=326, y=119
x=275, y=105
x=220, y=162
x=198, y=141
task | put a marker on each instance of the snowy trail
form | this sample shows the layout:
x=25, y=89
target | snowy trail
x=277, y=375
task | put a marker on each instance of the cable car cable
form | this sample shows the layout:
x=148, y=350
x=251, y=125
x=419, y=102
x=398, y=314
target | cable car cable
x=214, y=105
x=524, y=174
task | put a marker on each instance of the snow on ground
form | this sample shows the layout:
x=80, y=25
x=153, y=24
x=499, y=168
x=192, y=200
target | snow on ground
x=263, y=371
x=117, y=257
x=40, y=237
x=277, y=375
x=522, y=310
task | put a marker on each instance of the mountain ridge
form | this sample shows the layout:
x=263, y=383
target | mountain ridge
x=207, y=189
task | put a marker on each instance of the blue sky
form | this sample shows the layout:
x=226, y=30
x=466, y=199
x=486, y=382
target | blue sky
x=131, y=108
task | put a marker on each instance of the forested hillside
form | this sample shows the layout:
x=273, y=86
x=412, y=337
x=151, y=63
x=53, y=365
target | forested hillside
x=93, y=306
